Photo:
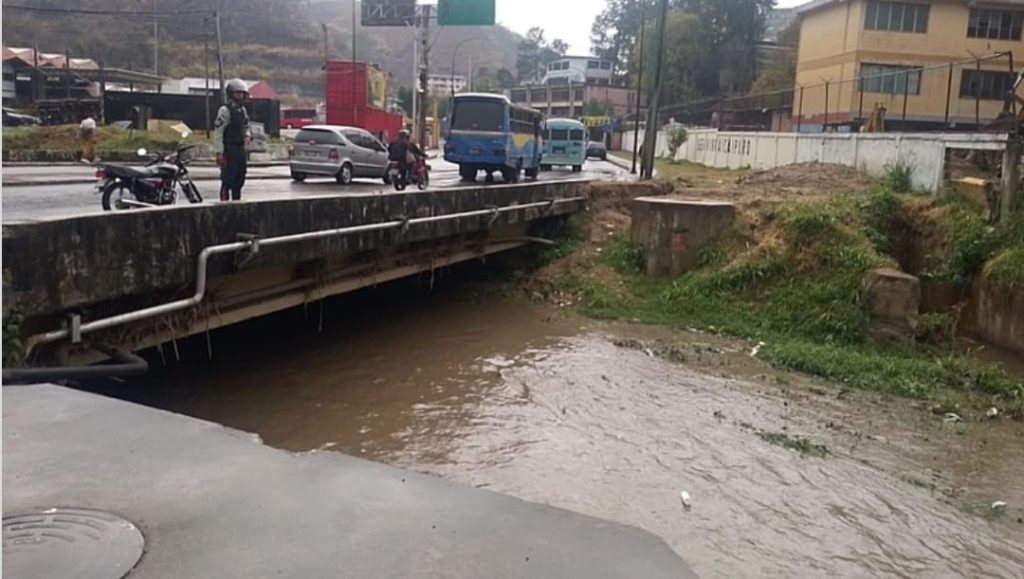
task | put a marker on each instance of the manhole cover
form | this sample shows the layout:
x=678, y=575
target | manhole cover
x=80, y=543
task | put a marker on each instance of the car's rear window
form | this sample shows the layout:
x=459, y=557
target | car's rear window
x=317, y=137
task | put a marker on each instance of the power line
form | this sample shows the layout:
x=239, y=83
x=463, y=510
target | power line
x=137, y=13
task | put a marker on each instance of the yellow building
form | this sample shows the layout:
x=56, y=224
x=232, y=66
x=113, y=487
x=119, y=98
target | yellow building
x=918, y=59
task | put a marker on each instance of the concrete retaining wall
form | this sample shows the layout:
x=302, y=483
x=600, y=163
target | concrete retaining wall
x=869, y=152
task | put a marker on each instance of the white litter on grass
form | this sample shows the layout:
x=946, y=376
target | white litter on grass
x=756, y=349
x=992, y=412
x=684, y=497
x=999, y=506
x=952, y=417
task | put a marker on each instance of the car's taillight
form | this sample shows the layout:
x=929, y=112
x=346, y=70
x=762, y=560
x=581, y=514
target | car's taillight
x=333, y=155
x=101, y=173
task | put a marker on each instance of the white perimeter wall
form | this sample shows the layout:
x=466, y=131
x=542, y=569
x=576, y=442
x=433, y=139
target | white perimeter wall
x=869, y=152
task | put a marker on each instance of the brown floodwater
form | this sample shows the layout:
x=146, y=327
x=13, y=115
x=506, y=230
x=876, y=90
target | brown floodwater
x=616, y=421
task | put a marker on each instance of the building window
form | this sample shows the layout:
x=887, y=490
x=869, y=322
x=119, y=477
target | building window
x=593, y=64
x=890, y=79
x=994, y=24
x=606, y=65
x=897, y=17
x=986, y=84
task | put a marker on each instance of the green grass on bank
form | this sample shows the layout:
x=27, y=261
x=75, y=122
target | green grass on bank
x=66, y=138
x=797, y=288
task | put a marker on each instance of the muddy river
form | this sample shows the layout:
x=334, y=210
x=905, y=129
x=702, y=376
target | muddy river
x=786, y=477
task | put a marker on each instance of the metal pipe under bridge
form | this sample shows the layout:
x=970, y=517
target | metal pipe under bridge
x=141, y=278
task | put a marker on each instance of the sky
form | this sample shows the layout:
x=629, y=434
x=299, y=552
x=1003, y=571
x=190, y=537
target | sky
x=569, y=20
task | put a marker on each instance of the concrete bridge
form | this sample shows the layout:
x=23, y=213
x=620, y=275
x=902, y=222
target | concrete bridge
x=138, y=279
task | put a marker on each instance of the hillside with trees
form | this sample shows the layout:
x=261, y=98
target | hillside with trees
x=281, y=41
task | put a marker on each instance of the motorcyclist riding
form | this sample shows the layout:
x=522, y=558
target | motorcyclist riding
x=399, y=150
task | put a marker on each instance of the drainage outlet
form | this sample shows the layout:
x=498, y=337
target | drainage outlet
x=79, y=543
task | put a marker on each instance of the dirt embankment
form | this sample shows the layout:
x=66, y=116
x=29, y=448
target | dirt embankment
x=610, y=213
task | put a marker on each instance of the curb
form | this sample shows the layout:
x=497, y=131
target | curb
x=258, y=164
x=620, y=162
x=82, y=181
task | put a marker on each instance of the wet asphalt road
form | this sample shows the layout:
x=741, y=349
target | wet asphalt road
x=26, y=198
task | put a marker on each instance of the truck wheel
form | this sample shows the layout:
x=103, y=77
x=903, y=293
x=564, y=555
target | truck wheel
x=298, y=177
x=468, y=174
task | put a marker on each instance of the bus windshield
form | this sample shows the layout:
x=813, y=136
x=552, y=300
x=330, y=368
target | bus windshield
x=478, y=116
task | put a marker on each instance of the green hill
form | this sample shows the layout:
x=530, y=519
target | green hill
x=277, y=40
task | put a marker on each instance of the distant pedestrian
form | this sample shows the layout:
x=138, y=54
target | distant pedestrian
x=87, y=131
x=231, y=132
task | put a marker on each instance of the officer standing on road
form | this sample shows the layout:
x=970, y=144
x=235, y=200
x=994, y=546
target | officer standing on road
x=231, y=131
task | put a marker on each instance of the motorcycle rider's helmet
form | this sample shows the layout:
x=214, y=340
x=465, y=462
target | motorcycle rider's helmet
x=236, y=85
x=403, y=134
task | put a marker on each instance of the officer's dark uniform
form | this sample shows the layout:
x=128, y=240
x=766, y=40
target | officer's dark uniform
x=233, y=129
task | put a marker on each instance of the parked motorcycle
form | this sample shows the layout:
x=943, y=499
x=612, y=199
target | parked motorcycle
x=154, y=185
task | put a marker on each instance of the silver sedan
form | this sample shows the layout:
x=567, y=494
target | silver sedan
x=340, y=152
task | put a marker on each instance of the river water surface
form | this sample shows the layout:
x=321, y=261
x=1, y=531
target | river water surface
x=596, y=418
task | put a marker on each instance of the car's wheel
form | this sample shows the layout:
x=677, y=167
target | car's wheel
x=344, y=176
x=577, y=168
x=298, y=177
x=510, y=175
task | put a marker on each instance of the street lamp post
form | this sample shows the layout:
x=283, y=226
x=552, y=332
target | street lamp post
x=454, y=54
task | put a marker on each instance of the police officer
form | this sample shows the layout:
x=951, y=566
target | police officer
x=231, y=131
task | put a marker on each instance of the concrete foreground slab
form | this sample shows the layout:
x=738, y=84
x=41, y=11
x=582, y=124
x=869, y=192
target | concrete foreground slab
x=215, y=502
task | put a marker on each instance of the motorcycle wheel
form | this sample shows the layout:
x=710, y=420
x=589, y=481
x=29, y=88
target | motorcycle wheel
x=423, y=183
x=399, y=182
x=114, y=193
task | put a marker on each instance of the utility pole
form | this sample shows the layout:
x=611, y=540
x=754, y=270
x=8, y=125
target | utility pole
x=421, y=129
x=639, y=85
x=206, y=73
x=355, y=121
x=156, y=42
x=415, y=74
x=654, y=106
x=220, y=59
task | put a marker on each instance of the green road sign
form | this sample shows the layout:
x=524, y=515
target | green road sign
x=465, y=12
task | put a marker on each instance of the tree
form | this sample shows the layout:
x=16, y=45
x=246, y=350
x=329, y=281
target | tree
x=779, y=75
x=676, y=137
x=505, y=78
x=689, y=70
x=595, y=108
x=535, y=53
x=405, y=99
x=727, y=31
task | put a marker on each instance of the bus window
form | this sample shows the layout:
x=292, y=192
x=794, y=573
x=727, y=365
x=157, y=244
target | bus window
x=478, y=116
x=558, y=134
x=576, y=135
x=523, y=121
